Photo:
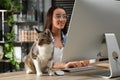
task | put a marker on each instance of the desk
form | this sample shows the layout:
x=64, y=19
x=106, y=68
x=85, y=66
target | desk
x=84, y=75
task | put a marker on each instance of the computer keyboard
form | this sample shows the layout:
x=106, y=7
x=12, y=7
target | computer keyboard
x=79, y=69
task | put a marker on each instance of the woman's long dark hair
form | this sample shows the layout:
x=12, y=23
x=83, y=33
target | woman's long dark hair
x=48, y=22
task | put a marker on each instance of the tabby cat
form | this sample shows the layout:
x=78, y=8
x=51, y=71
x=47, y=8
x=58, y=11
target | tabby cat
x=40, y=56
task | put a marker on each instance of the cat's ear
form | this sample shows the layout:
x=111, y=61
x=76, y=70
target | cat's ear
x=47, y=31
x=38, y=31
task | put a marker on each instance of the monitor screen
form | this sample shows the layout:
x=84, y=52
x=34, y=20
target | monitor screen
x=90, y=20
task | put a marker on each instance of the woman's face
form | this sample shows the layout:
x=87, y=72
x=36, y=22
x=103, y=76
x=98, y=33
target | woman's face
x=59, y=18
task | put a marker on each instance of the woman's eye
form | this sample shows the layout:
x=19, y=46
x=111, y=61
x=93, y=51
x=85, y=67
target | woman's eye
x=58, y=16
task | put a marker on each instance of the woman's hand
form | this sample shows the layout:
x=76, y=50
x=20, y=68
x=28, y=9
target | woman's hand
x=75, y=64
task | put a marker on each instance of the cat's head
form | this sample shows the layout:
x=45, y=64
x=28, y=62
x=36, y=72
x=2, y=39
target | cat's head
x=43, y=37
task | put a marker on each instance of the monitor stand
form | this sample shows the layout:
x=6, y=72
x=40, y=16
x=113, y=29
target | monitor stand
x=113, y=54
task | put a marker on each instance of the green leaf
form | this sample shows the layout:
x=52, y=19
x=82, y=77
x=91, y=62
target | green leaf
x=17, y=66
x=6, y=45
x=14, y=62
x=9, y=55
x=10, y=21
x=7, y=4
x=12, y=50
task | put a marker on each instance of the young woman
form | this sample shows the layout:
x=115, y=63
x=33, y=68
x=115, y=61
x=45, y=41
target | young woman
x=56, y=21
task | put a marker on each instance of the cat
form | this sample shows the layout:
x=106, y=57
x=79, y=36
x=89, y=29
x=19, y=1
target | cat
x=39, y=59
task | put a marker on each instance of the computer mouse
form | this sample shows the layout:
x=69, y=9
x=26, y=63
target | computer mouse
x=59, y=72
x=91, y=61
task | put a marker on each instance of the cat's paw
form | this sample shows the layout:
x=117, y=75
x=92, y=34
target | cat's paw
x=29, y=71
x=39, y=74
x=51, y=73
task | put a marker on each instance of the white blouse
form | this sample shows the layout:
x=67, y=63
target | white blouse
x=58, y=53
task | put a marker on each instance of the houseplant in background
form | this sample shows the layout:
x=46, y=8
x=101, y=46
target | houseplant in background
x=12, y=7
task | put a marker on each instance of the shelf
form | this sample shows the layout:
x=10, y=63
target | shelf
x=2, y=60
x=18, y=43
x=30, y=23
x=1, y=41
x=24, y=41
x=3, y=10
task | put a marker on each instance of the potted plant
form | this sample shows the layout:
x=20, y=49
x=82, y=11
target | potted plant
x=12, y=7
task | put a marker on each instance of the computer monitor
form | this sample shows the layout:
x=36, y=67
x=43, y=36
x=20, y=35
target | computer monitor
x=90, y=20
x=92, y=23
